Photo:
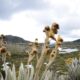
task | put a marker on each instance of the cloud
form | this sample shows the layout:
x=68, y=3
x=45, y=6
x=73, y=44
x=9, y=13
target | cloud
x=22, y=25
x=11, y=6
x=27, y=18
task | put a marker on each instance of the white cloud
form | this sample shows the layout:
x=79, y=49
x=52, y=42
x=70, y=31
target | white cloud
x=64, y=8
x=72, y=4
x=29, y=24
x=23, y=25
x=76, y=33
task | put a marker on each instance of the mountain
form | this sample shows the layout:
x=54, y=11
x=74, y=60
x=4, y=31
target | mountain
x=77, y=41
x=72, y=44
x=14, y=39
x=19, y=45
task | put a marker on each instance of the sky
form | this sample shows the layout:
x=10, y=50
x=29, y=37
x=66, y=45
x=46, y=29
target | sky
x=27, y=18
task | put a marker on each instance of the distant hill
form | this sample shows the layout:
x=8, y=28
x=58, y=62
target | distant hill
x=19, y=45
x=14, y=39
x=78, y=40
x=72, y=44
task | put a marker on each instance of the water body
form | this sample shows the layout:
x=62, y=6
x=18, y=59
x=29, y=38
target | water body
x=68, y=50
x=64, y=50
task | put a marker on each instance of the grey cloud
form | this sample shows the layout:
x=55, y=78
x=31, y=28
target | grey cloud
x=8, y=8
x=45, y=16
x=61, y=10
x=69, y=25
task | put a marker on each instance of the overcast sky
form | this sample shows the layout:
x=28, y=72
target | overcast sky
x=27, y=18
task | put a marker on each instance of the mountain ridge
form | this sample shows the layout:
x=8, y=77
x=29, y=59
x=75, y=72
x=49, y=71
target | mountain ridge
x=16, y=39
